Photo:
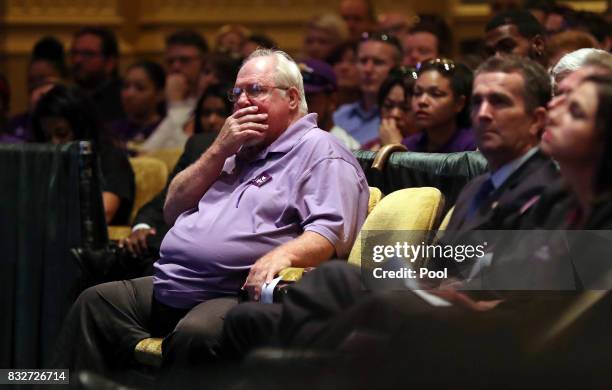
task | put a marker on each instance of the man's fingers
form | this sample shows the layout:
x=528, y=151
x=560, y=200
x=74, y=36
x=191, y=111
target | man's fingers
x=244, y=111
x=252, y=118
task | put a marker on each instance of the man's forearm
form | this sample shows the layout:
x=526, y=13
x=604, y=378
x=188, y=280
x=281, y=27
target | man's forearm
x=308, y=250
x=188, y=187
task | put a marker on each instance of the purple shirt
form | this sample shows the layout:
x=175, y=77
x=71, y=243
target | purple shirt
x=462, y=141
x=306, y=180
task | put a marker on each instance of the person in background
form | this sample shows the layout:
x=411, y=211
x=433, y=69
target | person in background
x=321, y=95
x=94, y=64
x=394, y=100
x=429, y=38
x=185, y=61
x=395, y=23
x=566, y=42
x=255, y=41
x=66, y=114
x=359, y=16
x=377, y=54
x=230, y=38
x=323, y=34
x=212, y=109
x=515, y=32
x=47, y=66
x=142, y=95
x=5, y=99
x=440, y=105
x=344, y=61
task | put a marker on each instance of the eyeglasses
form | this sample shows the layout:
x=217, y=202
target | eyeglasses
x=443, y=65
x=253, y=91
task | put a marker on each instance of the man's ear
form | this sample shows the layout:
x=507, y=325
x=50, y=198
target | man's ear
x=538, y=121
x=294, y=98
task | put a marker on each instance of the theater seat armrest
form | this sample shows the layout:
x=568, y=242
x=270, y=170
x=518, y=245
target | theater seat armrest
x=116, y=233
x=149, y=352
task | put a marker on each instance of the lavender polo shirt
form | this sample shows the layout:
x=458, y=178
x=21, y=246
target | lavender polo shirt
x=306, y=180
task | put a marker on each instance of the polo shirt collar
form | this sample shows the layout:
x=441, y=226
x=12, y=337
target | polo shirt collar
x=285, y=142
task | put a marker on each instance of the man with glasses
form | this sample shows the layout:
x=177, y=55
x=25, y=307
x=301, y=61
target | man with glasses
x=377, y=54
x=273, y=191
x=185, y=61
x=94, y=60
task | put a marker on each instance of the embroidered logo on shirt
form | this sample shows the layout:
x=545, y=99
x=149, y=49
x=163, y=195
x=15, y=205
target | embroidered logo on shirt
x=261, y=179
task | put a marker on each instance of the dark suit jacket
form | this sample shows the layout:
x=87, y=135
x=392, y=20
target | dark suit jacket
x=152, y=213
x=508, y=204
x=505, y=209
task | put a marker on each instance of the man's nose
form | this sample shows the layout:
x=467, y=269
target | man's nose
x=483, y=110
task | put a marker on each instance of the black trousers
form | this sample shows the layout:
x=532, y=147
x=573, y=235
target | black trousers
x=108, y=320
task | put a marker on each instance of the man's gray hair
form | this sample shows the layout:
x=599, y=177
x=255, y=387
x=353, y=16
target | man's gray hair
x=287, y=73
x=572, y=62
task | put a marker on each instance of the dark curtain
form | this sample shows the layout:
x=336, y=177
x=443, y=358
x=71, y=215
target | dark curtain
x=39, y=224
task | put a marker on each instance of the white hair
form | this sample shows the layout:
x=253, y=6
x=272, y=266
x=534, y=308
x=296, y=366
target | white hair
x=572, y=62
x=287, y=73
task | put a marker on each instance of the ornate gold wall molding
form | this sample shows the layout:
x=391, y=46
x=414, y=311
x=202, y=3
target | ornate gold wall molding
x=61, y=12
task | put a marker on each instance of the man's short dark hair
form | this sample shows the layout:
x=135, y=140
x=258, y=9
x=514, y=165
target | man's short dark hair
x=108, y=39
x=438, y=27
x=537, y=89
x=526, y=23
x=188, y=38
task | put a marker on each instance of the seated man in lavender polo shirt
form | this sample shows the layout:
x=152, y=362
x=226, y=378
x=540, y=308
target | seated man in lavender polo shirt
x=272, y=191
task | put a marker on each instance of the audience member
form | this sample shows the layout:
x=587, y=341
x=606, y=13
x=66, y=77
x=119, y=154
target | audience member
x=5, y=99
x=47, y=66
x=257, y=41
x=376, y=56
x=272, y=191
x=230, y=38
x=573, y=67
x=515, y=32
x=66, y=114
x=566, y=42
x=94, y=64
x=321, y=95
x=359, y=16
x=344, y=61
x=212, y=109
x=220, y=69
x=440, y=105
x=323, y=34
x=429, y=38
x=578, y=137
x=395, y=23
x=597, y=26
x=142, y=95
x=185, y=51
x=394, y=100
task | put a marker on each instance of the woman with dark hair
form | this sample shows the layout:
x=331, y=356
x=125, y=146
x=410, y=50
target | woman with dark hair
x=212, y=108
x=440, y=105
x=394, y=96
x=142, y=95
x=344, y=61
x=65, y=114
x=579, y=137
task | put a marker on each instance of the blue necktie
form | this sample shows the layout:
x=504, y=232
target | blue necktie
x=483, y=193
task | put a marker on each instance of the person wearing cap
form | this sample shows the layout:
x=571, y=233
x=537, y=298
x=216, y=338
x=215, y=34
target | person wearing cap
x=321, y=91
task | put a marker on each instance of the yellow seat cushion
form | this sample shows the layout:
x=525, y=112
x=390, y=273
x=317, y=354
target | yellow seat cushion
x=409, y=209
x=168, y=156
x=446, y=219
x=150, y=175
x=149, y=352
x=375, y=196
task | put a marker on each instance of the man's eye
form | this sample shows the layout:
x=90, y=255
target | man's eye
x=255, y=89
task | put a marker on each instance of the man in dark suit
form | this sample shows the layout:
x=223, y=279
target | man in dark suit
x=508, y=113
